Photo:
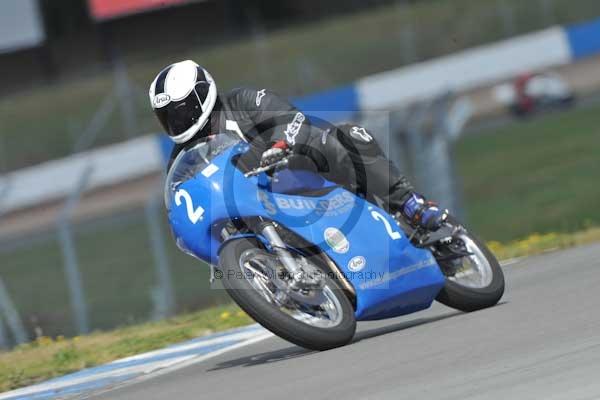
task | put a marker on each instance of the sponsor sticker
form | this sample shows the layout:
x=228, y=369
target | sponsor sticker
x=293, y=128
x=336, y=240
x=338, y=204
x=357, y=263
x=161, y=100
x=210, y=170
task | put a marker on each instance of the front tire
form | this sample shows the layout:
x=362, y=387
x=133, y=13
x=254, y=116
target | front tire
x=266, y=308
x=485, y=290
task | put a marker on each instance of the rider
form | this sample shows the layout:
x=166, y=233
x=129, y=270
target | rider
x=185, y=100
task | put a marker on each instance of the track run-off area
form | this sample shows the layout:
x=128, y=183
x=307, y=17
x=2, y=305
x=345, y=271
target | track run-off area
x=541, y=342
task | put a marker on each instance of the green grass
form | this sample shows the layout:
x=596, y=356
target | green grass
x=540, y=175
x=542, y=243
x=46, y=357
x=41, y=124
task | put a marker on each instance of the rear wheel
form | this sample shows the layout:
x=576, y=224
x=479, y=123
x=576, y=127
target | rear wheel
x=317, y=317
x=473, y=281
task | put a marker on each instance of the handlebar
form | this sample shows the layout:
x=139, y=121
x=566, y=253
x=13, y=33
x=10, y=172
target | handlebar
x=279, y=164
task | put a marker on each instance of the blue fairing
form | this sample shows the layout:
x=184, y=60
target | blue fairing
x=390, y=276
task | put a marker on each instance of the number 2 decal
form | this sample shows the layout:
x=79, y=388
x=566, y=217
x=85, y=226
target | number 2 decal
x=378, y=217
x=193, y=215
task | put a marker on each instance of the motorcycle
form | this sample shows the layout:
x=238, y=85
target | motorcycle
x=307, y=258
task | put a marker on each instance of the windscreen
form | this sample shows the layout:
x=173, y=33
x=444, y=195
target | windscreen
x=190, y=162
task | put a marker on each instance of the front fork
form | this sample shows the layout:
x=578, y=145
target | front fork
x=268, y=231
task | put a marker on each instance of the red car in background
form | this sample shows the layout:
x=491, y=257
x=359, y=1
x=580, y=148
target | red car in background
x=534, y=92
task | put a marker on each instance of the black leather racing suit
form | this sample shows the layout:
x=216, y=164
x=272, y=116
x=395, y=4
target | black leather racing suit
x=345, y=154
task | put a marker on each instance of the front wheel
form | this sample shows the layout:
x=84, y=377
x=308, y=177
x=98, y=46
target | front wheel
x=318, y=317
x=473, y=281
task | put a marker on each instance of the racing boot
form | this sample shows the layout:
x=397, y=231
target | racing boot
x=423, y=214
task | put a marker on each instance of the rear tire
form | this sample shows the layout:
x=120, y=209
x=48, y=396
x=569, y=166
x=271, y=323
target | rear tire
x=469, y=299
x=273, y=318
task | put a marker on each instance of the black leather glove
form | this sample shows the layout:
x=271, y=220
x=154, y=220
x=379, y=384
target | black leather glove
x=276, y=153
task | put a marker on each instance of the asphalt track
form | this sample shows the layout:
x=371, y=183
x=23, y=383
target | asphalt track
x=541, y=342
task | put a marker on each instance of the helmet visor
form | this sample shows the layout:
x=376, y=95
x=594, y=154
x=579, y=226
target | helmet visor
x=179, y=116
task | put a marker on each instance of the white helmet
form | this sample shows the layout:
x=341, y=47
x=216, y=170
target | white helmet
x=183, y=96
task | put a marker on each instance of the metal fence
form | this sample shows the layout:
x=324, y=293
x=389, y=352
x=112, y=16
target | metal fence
x=94, y=274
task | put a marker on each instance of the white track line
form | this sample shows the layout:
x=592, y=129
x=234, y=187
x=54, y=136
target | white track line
x=146, y=370
x=183, y=364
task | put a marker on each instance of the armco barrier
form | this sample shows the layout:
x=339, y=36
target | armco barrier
x=464, y=70
x=331, y=105
x=584, y=39
x=55, y=179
